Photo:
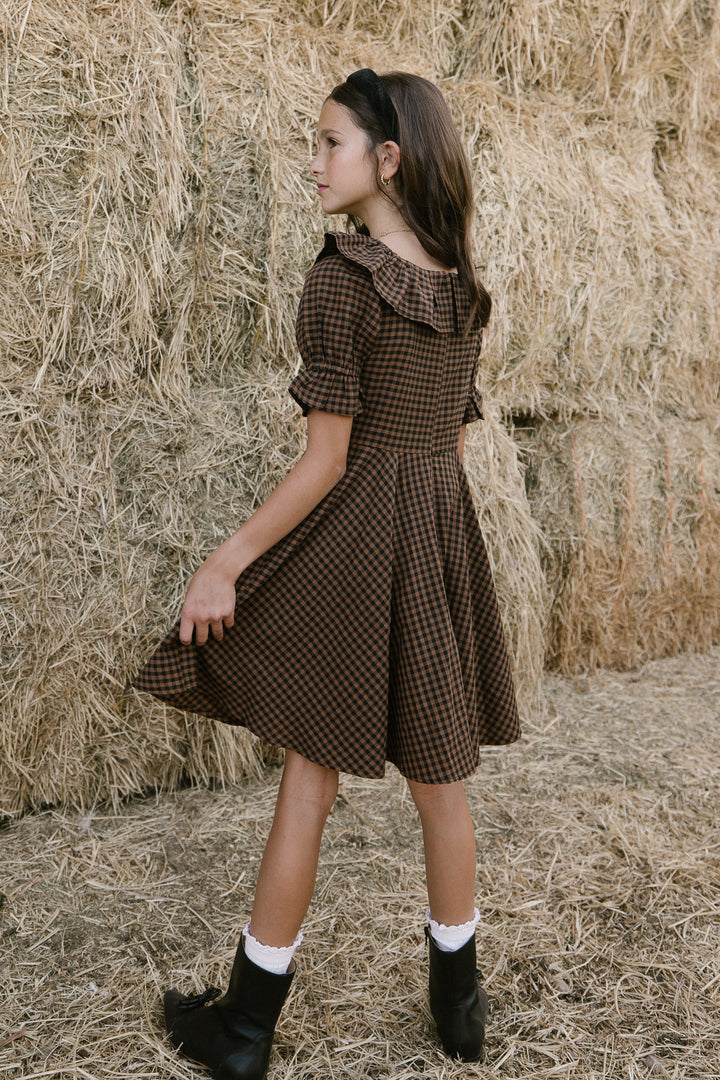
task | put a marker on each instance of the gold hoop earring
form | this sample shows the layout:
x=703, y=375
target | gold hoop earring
x=383, y=181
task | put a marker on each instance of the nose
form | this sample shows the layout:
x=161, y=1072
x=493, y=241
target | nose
x=314, y=165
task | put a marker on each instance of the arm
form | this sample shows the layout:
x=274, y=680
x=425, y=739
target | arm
x=461, y=443
x=210, y=599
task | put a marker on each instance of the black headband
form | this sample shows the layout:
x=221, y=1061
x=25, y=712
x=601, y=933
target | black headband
x=373, y=90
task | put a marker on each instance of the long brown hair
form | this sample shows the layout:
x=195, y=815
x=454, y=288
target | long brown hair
x=433, y=181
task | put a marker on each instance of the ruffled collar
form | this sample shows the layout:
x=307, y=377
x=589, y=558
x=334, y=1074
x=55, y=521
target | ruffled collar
x=435, y=297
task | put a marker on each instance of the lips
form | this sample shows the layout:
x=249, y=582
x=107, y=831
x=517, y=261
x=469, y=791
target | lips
x=322, y=187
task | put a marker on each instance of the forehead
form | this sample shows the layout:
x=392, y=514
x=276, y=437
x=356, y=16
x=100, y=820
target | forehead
x=336, y=117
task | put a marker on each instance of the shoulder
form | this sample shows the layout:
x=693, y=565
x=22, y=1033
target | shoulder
x=339, y=310
x=337, y=278
x=342, y=257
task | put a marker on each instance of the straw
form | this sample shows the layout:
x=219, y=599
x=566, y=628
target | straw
x=598, y=886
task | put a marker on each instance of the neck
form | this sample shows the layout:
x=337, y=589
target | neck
x=382, y=218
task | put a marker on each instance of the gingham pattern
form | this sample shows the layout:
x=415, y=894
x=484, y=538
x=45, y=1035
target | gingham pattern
x=371, y=632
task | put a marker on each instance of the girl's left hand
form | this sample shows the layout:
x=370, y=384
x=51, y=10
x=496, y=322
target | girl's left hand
x=209, y=603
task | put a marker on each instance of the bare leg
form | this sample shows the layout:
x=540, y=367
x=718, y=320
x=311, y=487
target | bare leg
x=449, y=840
x=289, y=865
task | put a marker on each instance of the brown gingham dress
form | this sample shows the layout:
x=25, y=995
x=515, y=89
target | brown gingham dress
x=371, y=632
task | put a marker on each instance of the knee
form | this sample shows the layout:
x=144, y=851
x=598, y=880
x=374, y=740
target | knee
x=310, y=784
x=434, y=801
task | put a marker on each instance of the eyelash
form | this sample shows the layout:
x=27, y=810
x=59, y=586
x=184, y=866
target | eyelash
x=331, y=143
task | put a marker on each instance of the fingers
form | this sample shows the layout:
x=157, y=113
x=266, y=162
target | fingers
x=187, y=625
x=208, y=608
x=200, y=628
x=219, y=625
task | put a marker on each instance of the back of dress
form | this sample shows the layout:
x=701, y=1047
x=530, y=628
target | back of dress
x=370, y=632
x=382, y=341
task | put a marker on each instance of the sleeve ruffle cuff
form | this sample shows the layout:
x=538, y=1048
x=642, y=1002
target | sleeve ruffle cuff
x=327, y=389
x=473, y=409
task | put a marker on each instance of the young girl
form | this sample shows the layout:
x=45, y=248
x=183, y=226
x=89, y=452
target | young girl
x=352, y=619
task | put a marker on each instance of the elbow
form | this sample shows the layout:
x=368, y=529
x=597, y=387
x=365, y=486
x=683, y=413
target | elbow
x=332, y=472
x=326, y=469
x=337, y=470
x=326, y=472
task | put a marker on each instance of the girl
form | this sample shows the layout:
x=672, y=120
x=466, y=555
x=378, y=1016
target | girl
x=352, y=619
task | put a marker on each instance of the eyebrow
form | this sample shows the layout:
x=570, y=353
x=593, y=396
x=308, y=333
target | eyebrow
x=328, y=131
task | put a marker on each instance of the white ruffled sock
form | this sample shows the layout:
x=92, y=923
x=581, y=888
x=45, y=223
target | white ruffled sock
x=268, y=957
x=452, y=938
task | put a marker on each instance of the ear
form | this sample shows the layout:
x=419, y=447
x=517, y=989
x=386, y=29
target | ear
x=389, y=158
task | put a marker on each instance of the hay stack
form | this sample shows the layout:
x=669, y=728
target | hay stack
x=595, y=140
x=644, y=59
x=159, y=220
x=600, y=239
x=632, y=525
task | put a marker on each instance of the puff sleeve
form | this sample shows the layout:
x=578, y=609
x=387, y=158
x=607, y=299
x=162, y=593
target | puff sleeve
x=474, y=403
x=336, y=326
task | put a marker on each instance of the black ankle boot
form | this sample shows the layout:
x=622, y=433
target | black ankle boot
x=458, y=1004
x=234, y=1034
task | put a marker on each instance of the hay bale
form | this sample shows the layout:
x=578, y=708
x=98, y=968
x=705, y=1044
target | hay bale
x=161, y=219
x=101, y=389
x=638, y=58
x=598, y=239
x=159, y=242
x=514, y=540
x=630, y=511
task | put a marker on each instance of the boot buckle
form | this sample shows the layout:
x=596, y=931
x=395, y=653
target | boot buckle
x=195, y=1002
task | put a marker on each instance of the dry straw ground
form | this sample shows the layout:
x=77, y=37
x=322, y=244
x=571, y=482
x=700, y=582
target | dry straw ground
x=599, y=885
x=156, y=221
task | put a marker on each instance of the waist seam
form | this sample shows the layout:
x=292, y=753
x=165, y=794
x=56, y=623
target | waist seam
x=402, y=452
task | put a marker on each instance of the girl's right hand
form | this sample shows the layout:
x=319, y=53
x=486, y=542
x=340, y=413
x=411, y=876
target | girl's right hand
x=210, y=600
x=209, y=604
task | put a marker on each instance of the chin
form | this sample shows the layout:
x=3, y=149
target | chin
x=330, y=206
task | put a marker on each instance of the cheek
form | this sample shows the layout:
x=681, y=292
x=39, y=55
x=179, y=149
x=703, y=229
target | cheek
x=337, y=170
